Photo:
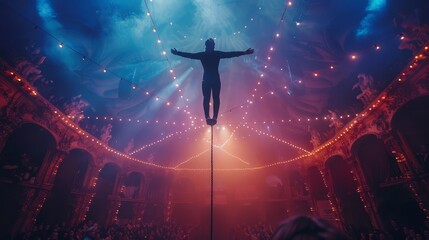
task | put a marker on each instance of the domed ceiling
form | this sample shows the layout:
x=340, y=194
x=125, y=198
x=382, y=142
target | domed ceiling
x=107, y=64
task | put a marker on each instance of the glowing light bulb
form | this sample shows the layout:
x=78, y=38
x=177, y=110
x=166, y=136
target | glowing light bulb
x=60, y=45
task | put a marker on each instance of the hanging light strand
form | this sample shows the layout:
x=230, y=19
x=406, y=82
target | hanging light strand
x=63, y=45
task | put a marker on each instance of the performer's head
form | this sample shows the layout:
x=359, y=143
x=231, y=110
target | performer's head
x=210, y=44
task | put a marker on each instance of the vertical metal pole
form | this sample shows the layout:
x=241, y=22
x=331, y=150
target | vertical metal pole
x=211, y=187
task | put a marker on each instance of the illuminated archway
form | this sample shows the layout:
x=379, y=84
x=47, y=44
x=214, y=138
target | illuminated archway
x=101, y=205
x=68, y=183
x=345, y=190
x=390, y=197
x=25, y=151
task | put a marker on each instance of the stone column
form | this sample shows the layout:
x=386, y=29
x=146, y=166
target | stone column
x=37, y=192
x=336, y=210
x=410, y=169
x=35, y=199
x=142, y=188
x=84, y=199
x=412, y=161
x=54, y=164
x=366, y=194
x=394, y=147
x=6, y=129
x=310, y=198
x=116, y=198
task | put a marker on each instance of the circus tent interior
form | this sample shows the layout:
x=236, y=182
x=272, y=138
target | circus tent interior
x=103, y=128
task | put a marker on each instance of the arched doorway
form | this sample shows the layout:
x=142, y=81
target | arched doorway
x=410, y=124
x=298, y=191
x=68, y=182
x=393, y=200
x=410, y=127
x=344, y=186
x=132, y=191
x=154, y=210
x=21, y=160
x=319, y=193
x=100, y=205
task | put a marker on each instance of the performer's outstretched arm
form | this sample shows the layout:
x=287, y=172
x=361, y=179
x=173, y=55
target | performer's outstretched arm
x=235, y=53
x=186, y=55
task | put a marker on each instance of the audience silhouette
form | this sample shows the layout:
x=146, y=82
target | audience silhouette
x=307, y=228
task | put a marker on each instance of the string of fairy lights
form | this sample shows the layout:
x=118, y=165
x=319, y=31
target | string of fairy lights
x=338, y=136
x=195, y=120
x=169, y=136
x=267, y=59
x=277, y=139
x=157, y=98
x=167, y=102
x=63, y=45
x=352, y=57
x=357, y=119
x=169, y=64
x=402, y=77
x=315, y=74
x=134, y=87
x=220, y=147
x=298, y=23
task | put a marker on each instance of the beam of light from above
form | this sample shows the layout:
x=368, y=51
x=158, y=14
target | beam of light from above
x=373, y=10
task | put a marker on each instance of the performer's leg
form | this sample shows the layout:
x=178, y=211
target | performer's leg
x=206, y=99
x=216, y=99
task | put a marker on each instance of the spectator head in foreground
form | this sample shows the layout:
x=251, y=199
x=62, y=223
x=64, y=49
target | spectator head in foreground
x=307, y=228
